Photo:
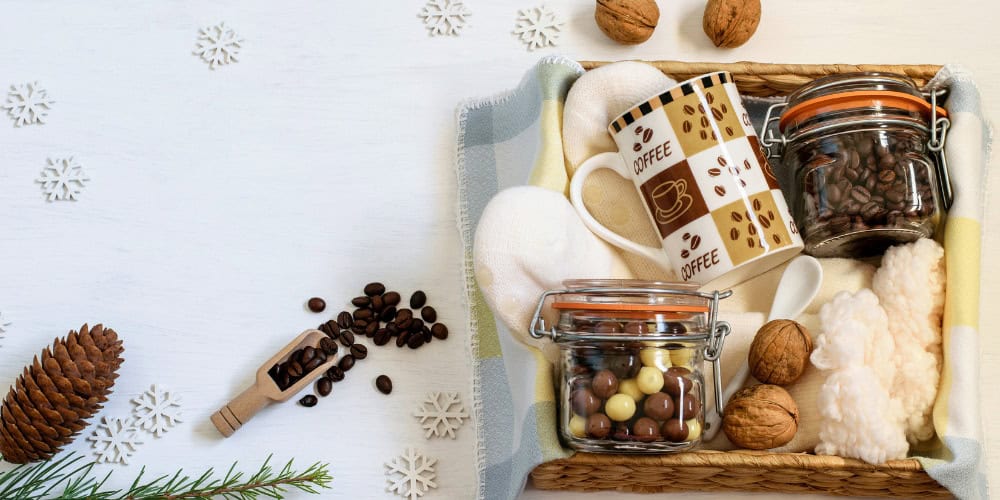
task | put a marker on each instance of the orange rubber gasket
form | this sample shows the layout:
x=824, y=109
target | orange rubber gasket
x=629, y=307
x=858, y=99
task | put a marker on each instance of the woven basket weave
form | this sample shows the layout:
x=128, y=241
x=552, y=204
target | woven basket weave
x=748, y=470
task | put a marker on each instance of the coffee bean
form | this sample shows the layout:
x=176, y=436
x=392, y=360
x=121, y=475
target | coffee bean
x=729, y=131
x=763, y=221
x=359, y=351
x=637, y=147
x=308, y=353
x=886, y=176
x=746, y=164
x=359, y=329
x=776, y=238
x=344, y=320
x=770, y=215
x=388, y=314
x=384, y=384
x=686, y=126
x=361, y=301
x=750, y=241
x=363, y=314
x=416, y=325
x=695, y=242
x=346, y=362
x=860, y=194
x=736, y=216
x=701, y=108
x=328, y=346
x=403, y=315
x=415, y=341
x=323, y=386
x=392, y=327
x=374, y=288
x=756, y=204
x=316, y=304
x=703, y=135
x=685, y=254
x=371, y=329
x=704, y=121
x=381, y=337
x=709, y=97
x=346, y=338
x=335, y=373
x=428, y=336
x=308, y=401
x=717, y=114
x=752, y=228
x=391, y=298
x=440, y=331
x=714, y=172
x=734, y=234
x=688, y=110
x=721, y=161
x=402, y=338
x=647, y=135
x=377, y=304
x=418, y=299
x=405, y=324
x=638, y=130
x=429, y=314
x=719, y=190
x=331, y=329
x=294, y=369
x=312, y=365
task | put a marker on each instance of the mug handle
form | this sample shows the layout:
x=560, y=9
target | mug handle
x=611, y=161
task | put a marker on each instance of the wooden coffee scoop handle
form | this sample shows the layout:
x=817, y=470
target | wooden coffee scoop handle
x=239, y=411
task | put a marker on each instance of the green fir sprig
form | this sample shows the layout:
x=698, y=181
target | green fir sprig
x=70, y=477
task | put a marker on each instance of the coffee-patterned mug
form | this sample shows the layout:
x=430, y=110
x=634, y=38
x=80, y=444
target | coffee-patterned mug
x=698, y=166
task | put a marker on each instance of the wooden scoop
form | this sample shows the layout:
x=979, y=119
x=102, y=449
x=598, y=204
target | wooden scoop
x=265, y=390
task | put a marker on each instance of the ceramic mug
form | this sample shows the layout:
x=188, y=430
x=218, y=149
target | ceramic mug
x=710, y=193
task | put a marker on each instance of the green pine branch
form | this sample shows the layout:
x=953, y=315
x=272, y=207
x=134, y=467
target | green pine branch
x=70, y=477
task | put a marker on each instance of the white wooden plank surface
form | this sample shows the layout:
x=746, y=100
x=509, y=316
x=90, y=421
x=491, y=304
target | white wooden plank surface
x=221, y=200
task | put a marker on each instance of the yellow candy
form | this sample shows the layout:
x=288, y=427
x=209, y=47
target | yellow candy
x=630, y=387
x=655, y=357
x=620, y=407
x=578, y=426
x=694, y=429
x=650, y=380
x=681, y=357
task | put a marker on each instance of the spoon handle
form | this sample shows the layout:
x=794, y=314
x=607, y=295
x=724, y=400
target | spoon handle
x=712, y=417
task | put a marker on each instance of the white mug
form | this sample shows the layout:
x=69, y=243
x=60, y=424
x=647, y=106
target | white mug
x=711, y=195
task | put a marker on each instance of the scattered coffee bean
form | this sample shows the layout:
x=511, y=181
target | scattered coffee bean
x=328, y=345
x=375, y=288
x=359, y=351
x=323, y=386
x=381, y=337
x=418, y=299
x=402, y=338
x=344, y=320
x=331, y=329
x=426, y=332
x=391, y=298
x=377, y=304
x=316, y=304
x=347, y=338
x=429, y=314
x=416, y=340
x=371, y=329
x=361, y=301
x=384, y=384
x=403, y=315
x=346, y=362
x=335, y=373
x=440, y=331
x=362, y=315
x=416, y=325
x=359, y=327
x=388, y=314
x=308, y=401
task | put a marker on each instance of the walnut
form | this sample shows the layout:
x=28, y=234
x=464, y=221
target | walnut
x=730, y=23
x=627, y=21
x=780, y=352
x=760, y=417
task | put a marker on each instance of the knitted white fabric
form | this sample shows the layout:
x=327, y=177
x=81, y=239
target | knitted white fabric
x=860, y=419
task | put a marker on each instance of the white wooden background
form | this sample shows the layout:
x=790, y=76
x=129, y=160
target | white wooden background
x=221, y=200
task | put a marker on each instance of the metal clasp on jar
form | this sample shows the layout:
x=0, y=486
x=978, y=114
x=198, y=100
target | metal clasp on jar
x=715, y=338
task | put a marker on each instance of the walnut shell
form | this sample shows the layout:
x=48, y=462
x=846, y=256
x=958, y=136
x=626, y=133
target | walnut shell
x=780, y=352
x=730, y=23
x=761, y=417
x=627, y=21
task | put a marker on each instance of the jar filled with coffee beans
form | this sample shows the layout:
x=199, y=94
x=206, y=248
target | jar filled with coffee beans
x=632, y=362
x=859, y=166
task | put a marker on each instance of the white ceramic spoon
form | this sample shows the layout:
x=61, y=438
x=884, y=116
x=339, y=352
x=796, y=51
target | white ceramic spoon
x=798, y=286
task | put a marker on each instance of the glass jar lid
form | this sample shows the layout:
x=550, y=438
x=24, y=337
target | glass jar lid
x=631, y=295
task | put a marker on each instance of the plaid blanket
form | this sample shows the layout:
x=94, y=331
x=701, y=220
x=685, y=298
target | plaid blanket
x=515, y=139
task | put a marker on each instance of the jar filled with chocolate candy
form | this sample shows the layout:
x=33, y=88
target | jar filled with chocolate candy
x=633, y=355
x=860, y=163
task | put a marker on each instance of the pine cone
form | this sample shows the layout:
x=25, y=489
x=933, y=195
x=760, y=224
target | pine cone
x=49, y=404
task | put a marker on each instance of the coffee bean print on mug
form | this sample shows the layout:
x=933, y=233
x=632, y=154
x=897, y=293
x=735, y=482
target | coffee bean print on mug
x=750, y=231
x=703, y=117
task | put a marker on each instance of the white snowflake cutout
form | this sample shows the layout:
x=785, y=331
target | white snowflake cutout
x=62, y=179
x=115, y=440
x=157, y=410
x=4, y=323
x=444, y=17
x=538, y=27
x=218, y=45
x=27, y=104
x=410, y=475
x=441, y=414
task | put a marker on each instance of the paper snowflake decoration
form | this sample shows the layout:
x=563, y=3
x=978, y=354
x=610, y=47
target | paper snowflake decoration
x=410, y=475
x=441, y=414
x=538, y=27
x=218, y=45
x=27, y=104
x=62, y=179
x=114, y=440
x=444, y=17
x=157, y=410
x=4, y=323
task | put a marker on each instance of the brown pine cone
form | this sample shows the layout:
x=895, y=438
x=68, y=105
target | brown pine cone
x=49, y=404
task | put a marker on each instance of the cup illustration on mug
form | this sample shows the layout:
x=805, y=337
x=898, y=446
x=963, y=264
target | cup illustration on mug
x=695, y=160
x=671, y=200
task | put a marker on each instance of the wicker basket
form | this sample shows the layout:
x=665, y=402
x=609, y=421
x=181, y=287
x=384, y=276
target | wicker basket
x=747, y=470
